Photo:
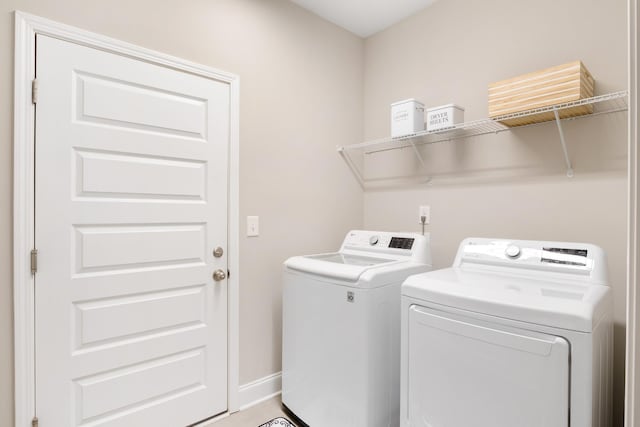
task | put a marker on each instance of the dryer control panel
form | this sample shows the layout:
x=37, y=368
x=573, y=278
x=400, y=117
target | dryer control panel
x=582, y=259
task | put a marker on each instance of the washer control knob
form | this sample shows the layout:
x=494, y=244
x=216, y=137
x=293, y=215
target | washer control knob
x=512, y=251
x=373, y=240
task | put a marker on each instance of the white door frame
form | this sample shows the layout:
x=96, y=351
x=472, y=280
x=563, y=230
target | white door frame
x=632, y=382
x=26, y=28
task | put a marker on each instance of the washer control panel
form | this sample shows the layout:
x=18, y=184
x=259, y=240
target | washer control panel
x=396, y=245
x=379, y=240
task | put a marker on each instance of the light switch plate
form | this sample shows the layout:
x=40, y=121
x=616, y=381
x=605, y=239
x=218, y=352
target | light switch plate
x=253, y=226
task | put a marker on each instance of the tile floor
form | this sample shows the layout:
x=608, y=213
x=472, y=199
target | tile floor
x=253, y=416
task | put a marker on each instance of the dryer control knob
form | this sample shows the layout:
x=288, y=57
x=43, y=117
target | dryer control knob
x=512, y=251
x=373, y=240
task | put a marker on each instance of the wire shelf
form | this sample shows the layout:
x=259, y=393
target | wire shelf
x=612, y=102
x=602, y=104
x=461, y=130
x=608, y=103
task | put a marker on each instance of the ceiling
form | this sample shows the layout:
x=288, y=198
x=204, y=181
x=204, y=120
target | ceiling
x=364, y=17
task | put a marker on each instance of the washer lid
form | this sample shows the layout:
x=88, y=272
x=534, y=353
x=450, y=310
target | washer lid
x=347, y=267
x=560, y=304
x=348, y=259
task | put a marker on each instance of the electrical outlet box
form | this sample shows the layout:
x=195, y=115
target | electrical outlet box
x=426, y=212
x=253, y=226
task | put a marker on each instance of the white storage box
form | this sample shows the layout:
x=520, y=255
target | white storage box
x=407, y=117
x=444, y=117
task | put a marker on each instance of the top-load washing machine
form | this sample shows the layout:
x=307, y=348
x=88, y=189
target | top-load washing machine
x=341, y=329
x=515, y=334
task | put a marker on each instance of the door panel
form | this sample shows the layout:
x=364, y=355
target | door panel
x=112, y=320
x=139, y=177
x=131, y=199
x=149, y=108
x=109, y=393
x=115, y=247
x=463, y=372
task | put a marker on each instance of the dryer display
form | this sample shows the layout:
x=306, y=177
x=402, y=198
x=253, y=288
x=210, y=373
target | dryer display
x=565, y=256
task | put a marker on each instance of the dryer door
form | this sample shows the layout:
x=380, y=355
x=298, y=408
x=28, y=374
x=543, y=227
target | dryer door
x=463, y=372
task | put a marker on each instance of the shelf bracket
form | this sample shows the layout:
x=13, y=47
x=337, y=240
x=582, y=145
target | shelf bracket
x=415, y=150
x=563, y=143
x=347, y=159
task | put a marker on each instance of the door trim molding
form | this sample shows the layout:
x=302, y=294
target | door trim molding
x=26, y=28
x=632, y=384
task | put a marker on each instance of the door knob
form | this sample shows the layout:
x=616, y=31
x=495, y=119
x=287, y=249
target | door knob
x=219, y=275
x=217, y=252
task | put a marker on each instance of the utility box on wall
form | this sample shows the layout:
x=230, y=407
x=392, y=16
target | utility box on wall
x=444, y=117
x=407, y=118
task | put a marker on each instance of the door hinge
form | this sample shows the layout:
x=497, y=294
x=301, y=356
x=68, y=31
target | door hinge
x=34, y=91
x=34, y=422
x=34, y=261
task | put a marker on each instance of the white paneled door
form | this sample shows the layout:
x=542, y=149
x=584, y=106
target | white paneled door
x=131, y=201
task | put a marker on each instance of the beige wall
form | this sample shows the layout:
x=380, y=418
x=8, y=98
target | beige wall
x=512, y=184
x=301, y=94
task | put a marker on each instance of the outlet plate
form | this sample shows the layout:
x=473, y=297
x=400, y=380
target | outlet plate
x=424, y=210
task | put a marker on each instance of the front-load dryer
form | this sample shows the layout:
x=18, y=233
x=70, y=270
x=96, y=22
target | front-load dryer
x=341, y=329
x=516, y=333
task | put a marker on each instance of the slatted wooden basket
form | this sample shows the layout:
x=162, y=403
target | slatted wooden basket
x=544, y=88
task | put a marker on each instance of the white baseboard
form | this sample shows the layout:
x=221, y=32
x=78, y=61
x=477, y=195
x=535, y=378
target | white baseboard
x=259, y=390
